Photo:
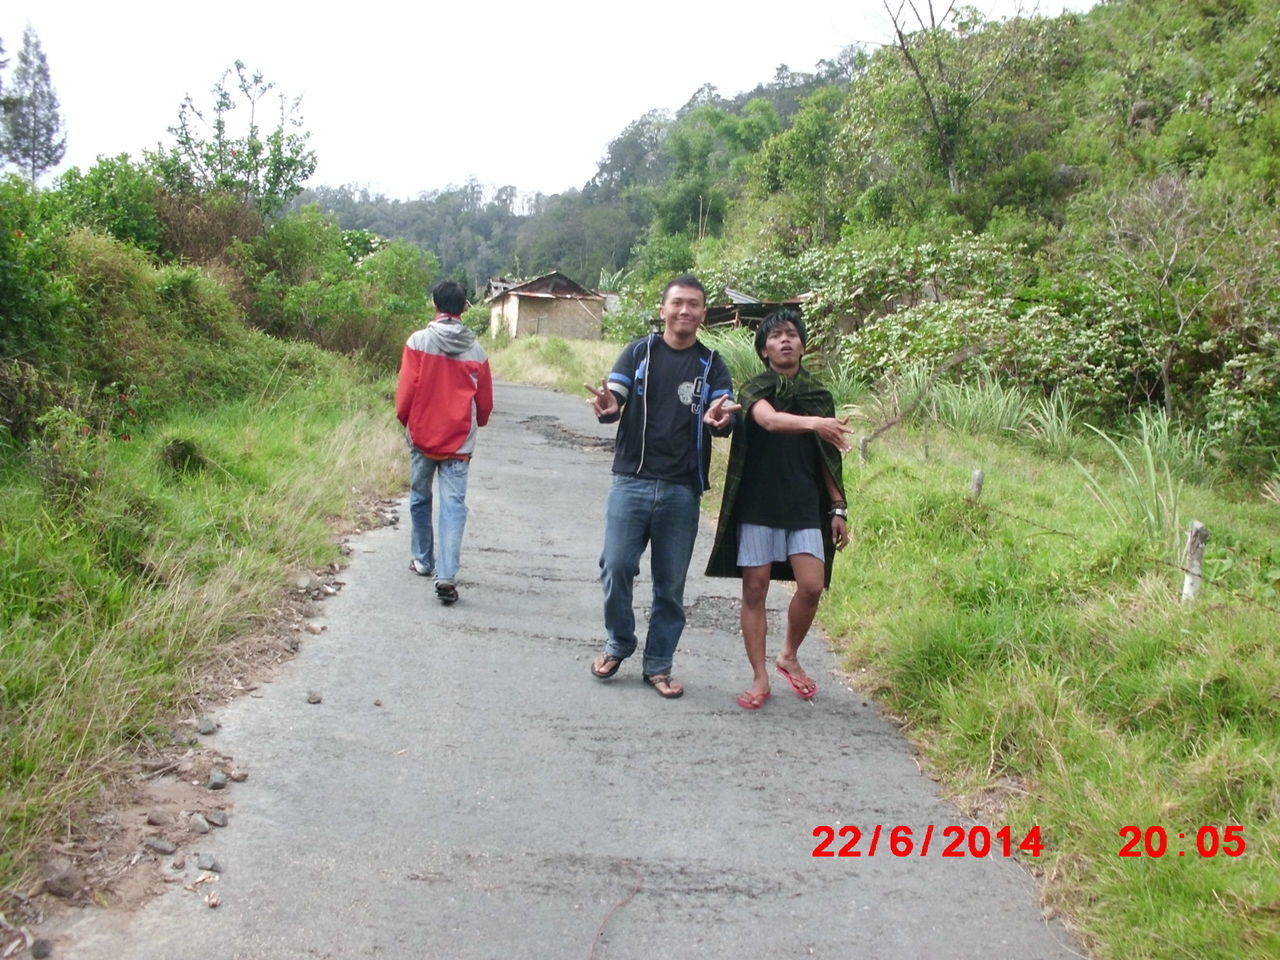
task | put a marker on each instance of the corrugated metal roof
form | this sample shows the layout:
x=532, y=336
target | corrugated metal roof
x=554, y=284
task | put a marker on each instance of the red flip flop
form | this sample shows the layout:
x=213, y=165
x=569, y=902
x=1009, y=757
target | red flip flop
x=796, y=685
x=753, y=701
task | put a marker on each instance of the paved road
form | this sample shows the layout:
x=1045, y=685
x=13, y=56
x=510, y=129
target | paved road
x=501, y=803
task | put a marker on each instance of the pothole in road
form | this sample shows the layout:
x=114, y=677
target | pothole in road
x=714, y=613
x=557, y=434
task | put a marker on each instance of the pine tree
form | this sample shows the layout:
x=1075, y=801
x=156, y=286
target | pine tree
x=34, y=140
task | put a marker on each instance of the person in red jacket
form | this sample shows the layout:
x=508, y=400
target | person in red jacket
x=444, y=395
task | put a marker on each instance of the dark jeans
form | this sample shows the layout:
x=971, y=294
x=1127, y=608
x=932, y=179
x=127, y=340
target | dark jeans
x=664, y=517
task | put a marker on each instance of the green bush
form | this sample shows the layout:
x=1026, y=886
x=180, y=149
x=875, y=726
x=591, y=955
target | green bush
x=477, y=319
x=660, y=258
x=117, y=196
x=627, y=321
x=200, y=305
x=305, y=245
x=339, y=289
x=125, y=333
x=36, y=299
x=68, y=457
x=396, y=282
x=26, y=392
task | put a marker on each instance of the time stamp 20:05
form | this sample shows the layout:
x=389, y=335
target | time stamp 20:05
x=979, y=841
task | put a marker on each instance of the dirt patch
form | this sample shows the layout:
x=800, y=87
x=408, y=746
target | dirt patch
x=144, y=831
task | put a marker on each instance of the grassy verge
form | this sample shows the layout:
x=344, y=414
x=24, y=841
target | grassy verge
x=1033, y=644
x=127, y=563
x=1036, y=648
x=552, y=362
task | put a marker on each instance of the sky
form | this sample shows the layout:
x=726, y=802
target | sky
x=403, y=99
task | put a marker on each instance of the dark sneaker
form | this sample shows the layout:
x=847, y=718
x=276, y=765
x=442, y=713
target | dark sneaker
x=446, y=593
x=420, y=569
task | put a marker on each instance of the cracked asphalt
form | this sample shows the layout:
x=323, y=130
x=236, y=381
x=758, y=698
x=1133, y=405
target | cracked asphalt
x=502, y=803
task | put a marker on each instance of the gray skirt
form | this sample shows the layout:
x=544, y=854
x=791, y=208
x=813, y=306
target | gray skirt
x=759, y=545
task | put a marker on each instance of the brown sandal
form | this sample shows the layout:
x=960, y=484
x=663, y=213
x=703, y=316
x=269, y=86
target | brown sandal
x=672, y=692
x=609, y=665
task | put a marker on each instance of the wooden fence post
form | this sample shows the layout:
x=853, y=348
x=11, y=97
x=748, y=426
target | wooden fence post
x=1197, y=537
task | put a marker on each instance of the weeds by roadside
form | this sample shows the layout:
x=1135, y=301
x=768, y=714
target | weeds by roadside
x=156, y=548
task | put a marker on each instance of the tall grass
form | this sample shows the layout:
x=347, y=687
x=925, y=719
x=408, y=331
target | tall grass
x=737, y=346
x=1053, y=678
x=1147, y=495
x=1271, y=489
x=982, y=406
x=110, y=601
x=1054, y=423
x=1185, y=449
x=552, y=362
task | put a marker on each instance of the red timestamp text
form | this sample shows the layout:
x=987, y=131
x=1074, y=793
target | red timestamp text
x=904, y=841
x=1207, y=841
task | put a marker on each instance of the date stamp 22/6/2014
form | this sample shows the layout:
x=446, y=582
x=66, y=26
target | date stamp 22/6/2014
x=905, y=841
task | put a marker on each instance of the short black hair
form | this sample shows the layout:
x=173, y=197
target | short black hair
x=776, y=319
x=684, y=280
x=450, y=297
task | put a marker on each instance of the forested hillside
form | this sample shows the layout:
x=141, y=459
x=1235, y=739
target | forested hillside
x=1087, y=203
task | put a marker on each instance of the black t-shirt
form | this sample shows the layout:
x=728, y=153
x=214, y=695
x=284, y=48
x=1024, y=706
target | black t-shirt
x=673, y=383
x=780, y=482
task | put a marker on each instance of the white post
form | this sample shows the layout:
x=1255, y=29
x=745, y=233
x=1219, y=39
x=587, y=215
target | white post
x=1197, y=537
x=975, y=485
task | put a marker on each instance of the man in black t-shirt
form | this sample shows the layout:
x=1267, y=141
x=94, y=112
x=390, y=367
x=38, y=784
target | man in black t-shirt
x=784, y=511
x=669, y=393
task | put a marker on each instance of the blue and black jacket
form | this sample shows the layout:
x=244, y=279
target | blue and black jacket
x=628, y=381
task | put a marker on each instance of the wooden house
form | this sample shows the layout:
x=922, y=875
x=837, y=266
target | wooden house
x=549, y=306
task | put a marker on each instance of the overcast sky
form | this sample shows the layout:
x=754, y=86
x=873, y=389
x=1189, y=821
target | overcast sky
x=405, y=98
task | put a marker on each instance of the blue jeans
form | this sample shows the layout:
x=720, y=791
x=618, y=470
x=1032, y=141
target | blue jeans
x=664, y=517
x=452, y=513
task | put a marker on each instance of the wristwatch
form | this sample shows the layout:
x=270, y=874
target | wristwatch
x=840, y=512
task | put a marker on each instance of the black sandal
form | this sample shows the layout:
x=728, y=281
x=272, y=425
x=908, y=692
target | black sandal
x=664, y=678
x=610, y=666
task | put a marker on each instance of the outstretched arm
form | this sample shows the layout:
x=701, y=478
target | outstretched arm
x=833, y=430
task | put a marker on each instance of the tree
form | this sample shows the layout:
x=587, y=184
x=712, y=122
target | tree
x=1171, y=254
x=635, y=158
x=34, y=140
x=800, y=163
x=267, y=171
x=844, y=67
x=953, y=76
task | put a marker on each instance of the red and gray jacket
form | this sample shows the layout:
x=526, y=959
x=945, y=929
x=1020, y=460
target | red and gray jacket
x=445, y=390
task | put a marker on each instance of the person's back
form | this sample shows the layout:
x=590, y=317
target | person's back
x=444, y=395
x=440, y=400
